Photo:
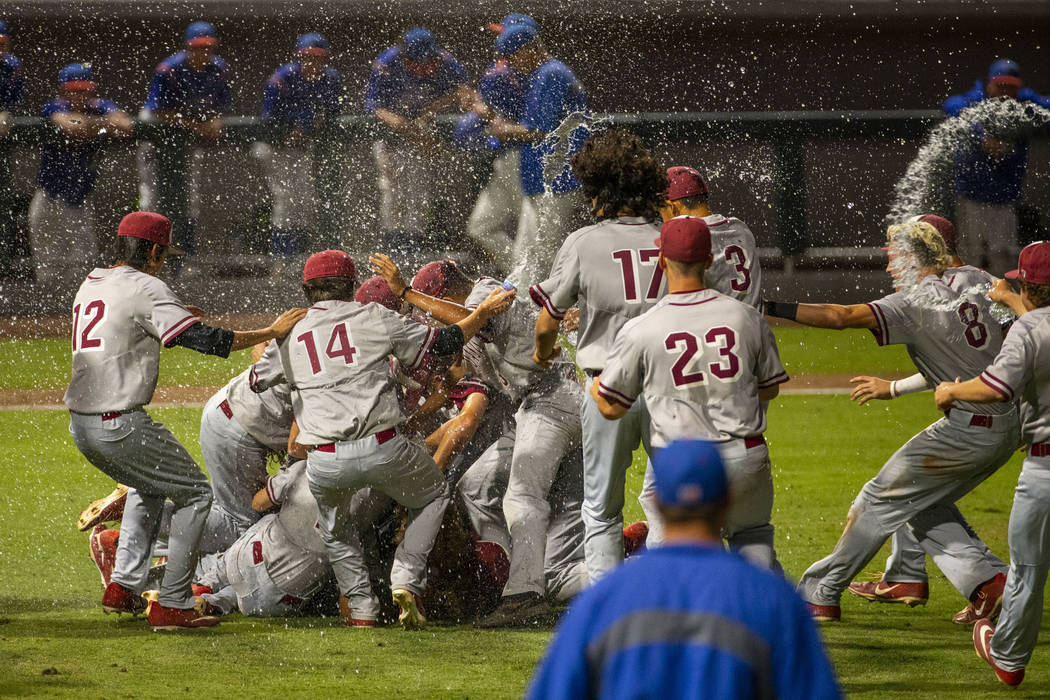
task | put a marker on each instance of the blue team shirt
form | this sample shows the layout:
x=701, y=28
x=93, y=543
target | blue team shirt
x=68, y=168
x=12, y=82
x=686, y=621
x=291, y=99
x=552, y=92
x=199, y=95
x=978, y=176
x=392, y=87
x=503, y=89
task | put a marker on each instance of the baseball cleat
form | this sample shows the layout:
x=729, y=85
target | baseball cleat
x=118, y=599
x=987, y=600
x=634, y=537
x=103, y=545
x=104, y=509
x=966, y=616
x=910, y=594
x=982, y=644
x=824, y=613
x=412, y=615
x=162, y=618
x=348, y=617
x=518, y=610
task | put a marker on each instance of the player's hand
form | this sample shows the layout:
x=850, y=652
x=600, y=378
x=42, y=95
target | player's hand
x=286, y=321
x=1003, y=293
x=546, y=362
x=385, y=268
x=496, y=303
x=195, y=310
x=942, y=395
x=868, y=388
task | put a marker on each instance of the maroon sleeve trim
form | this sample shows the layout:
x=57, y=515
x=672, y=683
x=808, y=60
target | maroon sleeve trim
x=774, y=380
x=541, y=298
x=882, y=335
x=997, y=384
x=428, y=342
x=178, y=329
x=614, y=396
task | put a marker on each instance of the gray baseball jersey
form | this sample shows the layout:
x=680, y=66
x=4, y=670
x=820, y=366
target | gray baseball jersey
x=266, y=416
x=1021, y=370
x=121, y=317
x=295, y=555
x=735, y=270
x=946, y=334
x=699, y=358
x=610, y=270
x=336, y=361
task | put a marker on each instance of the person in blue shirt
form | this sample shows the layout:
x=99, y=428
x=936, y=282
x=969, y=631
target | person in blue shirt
x=12, y=82
x=990, y=173
x=190, y=92
x=302, y=99
x=409, y=85
x=12, y=86
x=687, y=619
x=61, y=217
x=552, y=207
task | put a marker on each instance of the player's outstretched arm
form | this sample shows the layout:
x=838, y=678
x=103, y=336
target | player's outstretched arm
x=494, y=304
x=973, y=390
x=276, y=331
x=447, y=312
x=546, y=339
x=834, y=316
x=867, y=388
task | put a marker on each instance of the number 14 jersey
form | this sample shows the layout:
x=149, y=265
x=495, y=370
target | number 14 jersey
x=700, y=359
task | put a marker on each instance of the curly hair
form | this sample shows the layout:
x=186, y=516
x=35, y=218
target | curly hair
x=1038, y=294
x=617, y=170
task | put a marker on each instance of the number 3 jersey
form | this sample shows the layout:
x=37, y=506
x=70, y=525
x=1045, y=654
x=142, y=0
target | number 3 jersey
x=700, y=359
x=121, y=317
x=946, y=326
x=735, y=269
x=610, y=269
x=336, y=360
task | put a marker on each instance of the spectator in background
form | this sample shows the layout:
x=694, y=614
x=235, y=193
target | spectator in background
x=12, y=85
x=12, y=82
x=990, y=173
x=302, y=99
x=552, y=93
x=410, y=84
x=687, y=619
x=189, y=94
x=61, y=216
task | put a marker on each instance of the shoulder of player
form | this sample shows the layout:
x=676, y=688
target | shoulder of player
x=172, y=62
x=285, y=72
x=218, y=64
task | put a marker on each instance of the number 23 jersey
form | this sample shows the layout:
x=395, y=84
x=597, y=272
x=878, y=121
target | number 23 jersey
x=700, y=359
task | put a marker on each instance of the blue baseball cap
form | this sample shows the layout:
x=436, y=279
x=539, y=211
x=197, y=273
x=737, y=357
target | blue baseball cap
x=513, y=39
x=690, y=473
x=513, y=19
x=76, y=76
x=419, y=45
x=1005, y=72
x=313, y=44
x=201, y=34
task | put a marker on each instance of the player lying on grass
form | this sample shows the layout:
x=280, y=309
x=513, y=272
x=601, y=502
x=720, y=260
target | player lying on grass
x=947, y=334
x=1021, y=371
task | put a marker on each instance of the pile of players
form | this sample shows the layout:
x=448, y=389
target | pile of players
x=394, y=400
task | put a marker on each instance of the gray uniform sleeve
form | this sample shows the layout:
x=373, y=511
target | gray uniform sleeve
x=621, y=382
x=165, y=316
x=410, y=341
x=562, y=289
x=268, y=371
x=279, y=485
x=895, y=325
x=769, y=370
x=1012, y=368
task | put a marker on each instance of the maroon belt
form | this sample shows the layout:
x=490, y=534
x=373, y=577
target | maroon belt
x=755, y=441
x=1039, y=449
x=381, y=437
x=111, y=415
x=225, y=408
x=976, y=421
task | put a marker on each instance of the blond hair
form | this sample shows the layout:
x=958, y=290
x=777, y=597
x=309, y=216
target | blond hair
x=921, y=240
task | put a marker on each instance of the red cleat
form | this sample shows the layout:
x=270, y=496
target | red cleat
x=162, y=618
x=103, y=545
x=118, y=599
x=910, y=594
x=634, y=537
x=987, y=600
x=824, y=613
x=982, y=644
x=104, y=509
x=966, y=616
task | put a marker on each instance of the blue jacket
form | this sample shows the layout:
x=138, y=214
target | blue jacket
x=686, y=621
x=12, y=82
x=196, y=94
x=979, y=176
x=69, y=169
x=291, y=99
x=552, y=92
x=392, y=87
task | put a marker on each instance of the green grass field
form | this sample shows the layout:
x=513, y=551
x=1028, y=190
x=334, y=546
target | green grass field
x=54, y=640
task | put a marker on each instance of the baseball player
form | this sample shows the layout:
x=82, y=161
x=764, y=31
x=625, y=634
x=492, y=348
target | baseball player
x=552, y=206
x=705, y=362
x=610, y=270
x=12, y=81
x=301, y=99
x=12, y=87
x=347, y=411
x=1019, y=371
x=189, y=93
x=121, y=317
x=947, y=334
x=61, y=215
x=410, y=84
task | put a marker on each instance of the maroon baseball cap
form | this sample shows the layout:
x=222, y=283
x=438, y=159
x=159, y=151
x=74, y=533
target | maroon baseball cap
x=433, y=278
x=685, y=182
x=376, y=290
x=1033, y=264
x=685, y=239
x=149, y=226
x=329, y=263
x=943, y=226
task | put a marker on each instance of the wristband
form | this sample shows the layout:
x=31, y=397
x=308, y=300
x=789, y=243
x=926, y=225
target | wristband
x=406, y=290
x=781, y=309
x=893, y=389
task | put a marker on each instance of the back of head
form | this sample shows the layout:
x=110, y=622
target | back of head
x=442, y=278
x=617, y=171
x=329, y=275
x=1033, y=271
x=686, y=186
x=921, y=241
x=375, y=290
x=691, y=483
x=944, y=227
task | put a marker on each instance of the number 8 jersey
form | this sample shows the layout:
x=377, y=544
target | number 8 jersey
x=121, y=317
x=700, y=359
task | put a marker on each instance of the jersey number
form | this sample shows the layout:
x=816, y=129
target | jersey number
x=339, y=346
x=84, y=323
x=727, y=368
x=630, y=260
x=736, y=256
x=976, y=332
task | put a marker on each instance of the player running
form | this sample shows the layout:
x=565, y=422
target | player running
x=122, y=315
x=947, y=334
